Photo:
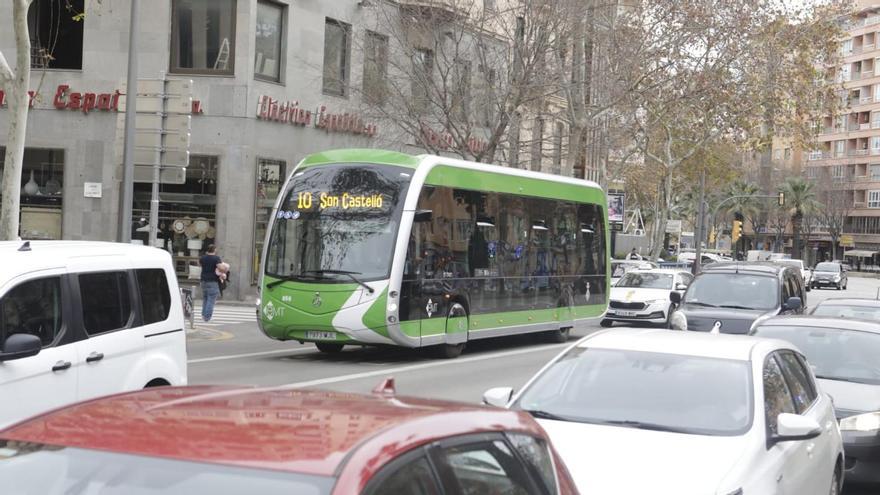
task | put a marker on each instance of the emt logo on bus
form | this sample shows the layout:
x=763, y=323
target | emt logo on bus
x=304, y=201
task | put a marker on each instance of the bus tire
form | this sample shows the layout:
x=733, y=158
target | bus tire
x=452, y=351
x=558, y=336
x=329, y=347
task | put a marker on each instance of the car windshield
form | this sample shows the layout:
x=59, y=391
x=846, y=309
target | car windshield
x=735, y=290
x=848, y=311
x=833, y=353
x=38, y=469
x=650, y=390
x=338, y=218
x=828, y=267
x=646, y=280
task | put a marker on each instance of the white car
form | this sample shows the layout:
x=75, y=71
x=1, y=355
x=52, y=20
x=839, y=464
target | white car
x=643, y=296
x=620, y=267
x=80, y=320
x=635, y=411
x=806, y=273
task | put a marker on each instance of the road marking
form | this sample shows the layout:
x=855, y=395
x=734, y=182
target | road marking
x=433, y=364
x=250, y=354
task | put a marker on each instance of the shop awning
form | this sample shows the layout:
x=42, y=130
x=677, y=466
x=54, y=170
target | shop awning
x=860, y=253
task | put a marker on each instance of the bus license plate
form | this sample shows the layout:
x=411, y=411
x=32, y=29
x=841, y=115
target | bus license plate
x=321, y=335
x=626, y=313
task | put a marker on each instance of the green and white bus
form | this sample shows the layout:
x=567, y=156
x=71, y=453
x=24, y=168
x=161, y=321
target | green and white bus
x=371, y=247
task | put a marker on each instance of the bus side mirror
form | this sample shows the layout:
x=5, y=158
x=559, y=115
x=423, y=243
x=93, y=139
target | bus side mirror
x=423, y=216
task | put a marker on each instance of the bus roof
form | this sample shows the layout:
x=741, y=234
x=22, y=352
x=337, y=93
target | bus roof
x=467, y=174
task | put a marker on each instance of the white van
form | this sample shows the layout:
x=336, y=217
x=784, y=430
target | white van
x=84, y=319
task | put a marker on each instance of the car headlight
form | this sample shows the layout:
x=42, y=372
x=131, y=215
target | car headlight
x=837, y=278
x=862, y=422
x=678, y=321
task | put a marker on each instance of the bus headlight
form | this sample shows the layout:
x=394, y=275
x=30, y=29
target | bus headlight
x=862, y=422
x=678, y=321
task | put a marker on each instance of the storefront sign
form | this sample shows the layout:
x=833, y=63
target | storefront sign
x=92, y=190
x=289, y=112
x=65, y=99
x=444, y=140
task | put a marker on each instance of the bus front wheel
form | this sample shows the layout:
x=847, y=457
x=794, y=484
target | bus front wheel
x=328, y=348
x=456, y=322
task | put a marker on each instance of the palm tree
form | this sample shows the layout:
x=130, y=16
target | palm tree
x=800, y=198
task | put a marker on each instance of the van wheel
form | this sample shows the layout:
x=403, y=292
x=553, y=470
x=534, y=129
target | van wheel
x=329, y=348
x=606, y=323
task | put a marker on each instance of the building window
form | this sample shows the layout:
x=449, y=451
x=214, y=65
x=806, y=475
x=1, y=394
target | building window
x=203, y=36
x=812, y=172
x=787, y=153
x=875, y=143
x=873, y=199
x=42, y=189
x=875, y=171
x=270, y=178
x=56, y=33
x=268, y=40
x=423, y=70
x=839, y=148
x=777, y=154
x=337, y=48
x=375, y=67
x=187, y=214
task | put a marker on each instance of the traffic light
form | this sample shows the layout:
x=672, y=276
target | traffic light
x=737, y=231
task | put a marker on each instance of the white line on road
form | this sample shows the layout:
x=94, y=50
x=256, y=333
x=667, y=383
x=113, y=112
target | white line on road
x=433, y=364
x=250, y=354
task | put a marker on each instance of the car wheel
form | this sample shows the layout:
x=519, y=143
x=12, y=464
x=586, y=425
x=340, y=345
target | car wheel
x=668, y=322
x=606, y=323
x=835, y=483
x=329, y=348
x=838, y=287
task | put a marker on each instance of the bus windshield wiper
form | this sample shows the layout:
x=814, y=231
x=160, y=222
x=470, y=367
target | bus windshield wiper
x=347, y=273
x=289, y=278
x=640, y=425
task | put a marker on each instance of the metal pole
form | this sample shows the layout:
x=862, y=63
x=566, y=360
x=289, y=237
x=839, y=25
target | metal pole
x=157, y=169
x=130, y=109
x=698, y=235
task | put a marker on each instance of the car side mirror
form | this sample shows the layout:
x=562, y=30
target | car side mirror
x=794, y=427
x=423, y=216
x=680, y=286
x=793, y=304
x=498, y=396
x=20, y=345
x=675, y=297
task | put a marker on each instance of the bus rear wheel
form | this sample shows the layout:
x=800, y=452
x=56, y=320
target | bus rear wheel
x=328, y=348
x=457, y=322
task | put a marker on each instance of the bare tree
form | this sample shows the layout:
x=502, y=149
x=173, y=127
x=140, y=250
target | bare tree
x=706, y=83
x=835, y=203
x=16, y=83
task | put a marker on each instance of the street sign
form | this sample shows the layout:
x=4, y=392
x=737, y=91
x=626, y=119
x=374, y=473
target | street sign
x=847, y=240
x=673, y=226
x=168, y=175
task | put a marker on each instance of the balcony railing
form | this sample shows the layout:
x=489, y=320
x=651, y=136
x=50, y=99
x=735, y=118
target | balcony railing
x=855, y=76
x=875, y=151
x=859, y=204
x=875, y=125
x=863, y=152
x=865, y=126
x=839, y=154
x=852, y=127
x=865, y=99
x=817, y=155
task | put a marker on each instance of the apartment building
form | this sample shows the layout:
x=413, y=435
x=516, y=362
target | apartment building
x=848, y=153
x=267, y=77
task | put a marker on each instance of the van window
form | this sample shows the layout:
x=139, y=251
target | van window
x=32, y=307
x=155, y=299
x=106, y=303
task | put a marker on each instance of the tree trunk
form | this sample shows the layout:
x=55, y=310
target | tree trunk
x=17, y=90
x=662, y=213
x=796, y=228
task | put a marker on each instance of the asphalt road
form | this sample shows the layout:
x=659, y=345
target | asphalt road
x=235, y=352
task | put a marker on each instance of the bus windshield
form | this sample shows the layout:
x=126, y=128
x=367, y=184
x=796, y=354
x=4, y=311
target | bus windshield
x=338, y=218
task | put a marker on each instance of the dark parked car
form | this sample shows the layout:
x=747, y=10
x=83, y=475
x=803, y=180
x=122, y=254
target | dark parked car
x=830, y=274
x=730, y=297
x=225, y=440
x=844, y=356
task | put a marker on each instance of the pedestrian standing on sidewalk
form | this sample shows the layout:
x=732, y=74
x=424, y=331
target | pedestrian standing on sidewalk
x=210, y=282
